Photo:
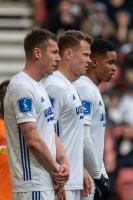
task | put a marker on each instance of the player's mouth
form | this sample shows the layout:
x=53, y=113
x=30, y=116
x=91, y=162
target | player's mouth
x=86, y=67
x=54, y=67
x=113, y=74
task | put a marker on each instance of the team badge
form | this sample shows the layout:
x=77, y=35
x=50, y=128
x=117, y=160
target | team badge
x=87, y=105
x=25, y=104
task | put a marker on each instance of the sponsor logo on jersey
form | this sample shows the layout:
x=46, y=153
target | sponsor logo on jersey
x=87, y=106
x=49, y=114
x=25, y=104
x=79, y=111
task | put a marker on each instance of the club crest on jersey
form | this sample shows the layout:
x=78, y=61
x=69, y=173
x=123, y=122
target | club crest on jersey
x=25, y=104
x=87, y=106
x=52, y=100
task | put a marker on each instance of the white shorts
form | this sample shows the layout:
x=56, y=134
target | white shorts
x=36, y=195
x=90, y=196
x=73, y=195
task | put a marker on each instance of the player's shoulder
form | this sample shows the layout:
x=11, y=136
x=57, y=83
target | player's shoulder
x=84, y=85
x=54, y=81
x=21, y=82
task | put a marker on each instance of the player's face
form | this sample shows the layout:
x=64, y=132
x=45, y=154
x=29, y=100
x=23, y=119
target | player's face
x=106, y=66
x=81, y=59
x=50, y=58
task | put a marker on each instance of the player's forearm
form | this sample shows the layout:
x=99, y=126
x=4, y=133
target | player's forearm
x=42, y=153
x=38, y=146
x=90, y=160
x=60, y=152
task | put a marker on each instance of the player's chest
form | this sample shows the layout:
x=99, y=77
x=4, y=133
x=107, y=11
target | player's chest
x=73, y=104
x=44, y=107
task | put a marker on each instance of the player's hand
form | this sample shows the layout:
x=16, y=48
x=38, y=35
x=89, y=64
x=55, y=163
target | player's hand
x=87, y=185
x=61, y=194
x=102, y=186
x=62, y=176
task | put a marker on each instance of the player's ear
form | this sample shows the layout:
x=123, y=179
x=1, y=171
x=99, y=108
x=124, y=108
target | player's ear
x=94, y=62
x=37, y=53
x=68, y=53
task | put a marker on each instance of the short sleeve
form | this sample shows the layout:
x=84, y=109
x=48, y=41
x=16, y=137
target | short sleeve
x=24, y=105
x=87, y=104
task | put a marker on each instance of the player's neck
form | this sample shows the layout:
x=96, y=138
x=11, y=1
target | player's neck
x=93, y=78
x=32, y=71
x=66, y=71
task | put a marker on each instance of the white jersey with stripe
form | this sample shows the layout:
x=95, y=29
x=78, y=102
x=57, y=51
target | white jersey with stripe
x=94, y=115
x=27, y=101
x=69, y=124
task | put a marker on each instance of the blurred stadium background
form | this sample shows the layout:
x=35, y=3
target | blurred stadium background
x=107, y=19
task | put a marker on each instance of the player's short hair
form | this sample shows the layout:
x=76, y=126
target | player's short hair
x=71, y=39
x=3, y=89
x=101, y=47
x=37, y=38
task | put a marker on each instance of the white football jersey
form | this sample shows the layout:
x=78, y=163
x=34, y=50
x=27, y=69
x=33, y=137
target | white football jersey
x=69, y=124
x=94, y=115
x=26, y=100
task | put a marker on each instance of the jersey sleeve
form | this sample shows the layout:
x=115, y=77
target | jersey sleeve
x=90, y=160
x=87, y=104
x=24, y=105
x=57, y=98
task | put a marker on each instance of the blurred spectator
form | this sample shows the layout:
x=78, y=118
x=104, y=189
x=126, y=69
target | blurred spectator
x=108, y=32
x=40, y=12
x=122, y=26
x=124, y=144
x=98, y=16
x=128, y=67
x=128, y=46
x=65, y=17
x=124, y=184
x=114, y=6
x=126, y=105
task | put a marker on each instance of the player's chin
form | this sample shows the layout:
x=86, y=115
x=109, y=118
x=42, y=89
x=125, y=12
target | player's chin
x=108, y=79
x=84, y=71
x=53, y=68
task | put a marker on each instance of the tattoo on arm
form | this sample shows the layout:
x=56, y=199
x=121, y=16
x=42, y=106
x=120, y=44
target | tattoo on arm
x=60, y=160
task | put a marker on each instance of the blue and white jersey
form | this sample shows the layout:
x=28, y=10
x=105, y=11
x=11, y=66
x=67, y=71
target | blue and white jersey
x=69, y=124
x=94, y=115
x=27, y=101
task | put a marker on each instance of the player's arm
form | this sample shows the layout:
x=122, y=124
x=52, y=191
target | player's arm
x=24, y=104
x=62, y=158
x=90, y=159
x=57, y=98
x=91, y=164
x=38, y=146
x=60, y=152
